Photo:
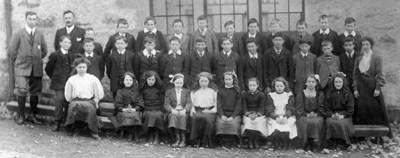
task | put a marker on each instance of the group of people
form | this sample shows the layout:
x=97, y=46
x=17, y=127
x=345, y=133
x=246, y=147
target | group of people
x=275, y=86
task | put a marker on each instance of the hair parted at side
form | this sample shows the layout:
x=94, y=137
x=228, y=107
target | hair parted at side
x=285, y=83
x=211, y=84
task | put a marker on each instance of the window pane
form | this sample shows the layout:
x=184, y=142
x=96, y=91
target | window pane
x=266, y=19
x=214, y=23
x=227, y=6
x=240, y=7
x=282, y=6
x=241, y=22
x=162, y=24
x=173, y=7
x=213, y=7
x=188, y=24
x=267, y=6
x=293, y=20
x=159, y=7
x=186, y=7
x=284, y=21
x=296, y=6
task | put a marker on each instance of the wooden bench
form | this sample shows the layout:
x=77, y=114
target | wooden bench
x=107, y=109
x=377, y=131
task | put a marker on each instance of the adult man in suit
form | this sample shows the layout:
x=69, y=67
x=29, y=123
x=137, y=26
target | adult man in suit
x=27, y=48
x=76, y=33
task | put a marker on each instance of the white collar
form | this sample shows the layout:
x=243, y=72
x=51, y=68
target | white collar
x=122, y=52
x=70, y=28
x=253, y=56
x=326, y=31
x=229, y=86
x=147, y=30
x=122, y=34
x=304, y=55
x=276, y=50
x=204, y=30
x=231, y=36
x=89, y=55
x=147, y=53
x=63, y=51
x=254, y=36
x=178, y=90
x=347, y=33
x=226, y=53
x=351, y=53
x=202, y=53
x=29, y=30
x=179, y=35
x=179, y=52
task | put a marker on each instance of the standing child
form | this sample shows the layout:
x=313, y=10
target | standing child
x=323, y=34
x=173, y=62
x=301, y=34
x=338, y=110
x=150, y=30
x=59, y=68
x=148, y=59
x=229, y=99
x=153, y=97
x=254, y=120
x=204, y=109
x=328, y=65
x=122, y=30
x=128, y=104
x=178, y=104
x=309, y=104
x=350, y=26
x=280, y=110
x=199, y=61
x=177, y=26
x=304, y=63
x=226, y=60
x=97, y=65
x=119, y=62
x=230, y=33
x=206, y=33
x=98, y=49
x=251, y=65
x=260, y=41
x=275, y=27
x=347, y=60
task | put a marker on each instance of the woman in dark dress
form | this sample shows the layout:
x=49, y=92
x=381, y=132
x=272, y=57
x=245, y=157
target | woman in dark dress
x=308, y=109
x=368, y=81
x=338, y=110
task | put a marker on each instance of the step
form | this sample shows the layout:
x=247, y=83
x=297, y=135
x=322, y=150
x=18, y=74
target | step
x=371, y=130
x=106, y=108
x=44, y=110
x=106, y=123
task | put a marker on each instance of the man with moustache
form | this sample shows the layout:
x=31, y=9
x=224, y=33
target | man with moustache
x=27, y=48
x=76, y=33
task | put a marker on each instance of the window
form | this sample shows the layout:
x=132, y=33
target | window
x=220, y=11
x=166, y=11
x=287, y=11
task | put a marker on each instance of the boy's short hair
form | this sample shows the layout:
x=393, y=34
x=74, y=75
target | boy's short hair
x=230, y=22
x=123, y=38
x=326, y=43
x=149, y=39
x=251, y=40
x=88, y=40
x=64, y=37
x=349, y=20
x=200, y=40
x=301, y=22
x=275, y=21
x=349, y=39
x=305, y=41
x=28, y=13
x=122, y=21
x=278, y=34
x=202, y=17
x=223, y=39
x=149, y=18
x=251, y=21
x=174, y=38
x=323, y=16
x=69, y=11
x=177, y=21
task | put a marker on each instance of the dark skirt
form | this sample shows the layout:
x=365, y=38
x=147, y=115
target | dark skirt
x=342, y=129
x=228, y=127
x=178, y=122
x=83, y=110
x=153, y=119
x=202, y=126
x=126, y=119
x=311, y=127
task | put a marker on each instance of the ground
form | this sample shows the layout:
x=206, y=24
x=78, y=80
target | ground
x=39, y=141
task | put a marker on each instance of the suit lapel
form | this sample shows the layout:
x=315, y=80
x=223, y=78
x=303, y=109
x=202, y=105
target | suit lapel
x=183, y=94
x=27, y=36
x=72, y=33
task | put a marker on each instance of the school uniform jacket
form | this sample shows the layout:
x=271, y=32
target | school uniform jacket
x=110, y=46
x=142, y=64
x=77, y=36
x=357, y=46
x=326, y=69
x=278, y=66
x=114, y=70
x=248, y=69
x=223, y=64
x=197, y=64
x=171, y=66
x=27, y=54
x=211, y=41
x=347, y=65
x=261, y=42
x=237, y=44
x=98, y=49
x=319, y=38
x=296, y=39
x=58, y=70
x=185, y=43
x=97, y=66
x=171, y=99
x=288, y=42
x=160, y=41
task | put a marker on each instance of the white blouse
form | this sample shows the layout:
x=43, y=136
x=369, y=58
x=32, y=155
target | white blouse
x=85, y=87
x=205, y=98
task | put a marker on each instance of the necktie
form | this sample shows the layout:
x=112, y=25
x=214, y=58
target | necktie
x=226, y=55
x=90, y=58
x=150, y=59
x=31, y=37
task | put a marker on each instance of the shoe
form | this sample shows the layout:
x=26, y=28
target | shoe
x=95, y=136
x=157, y=138
x=177, y=140
x=183, y=140
x=136, y=137
x=56, y=127
x=20, y=120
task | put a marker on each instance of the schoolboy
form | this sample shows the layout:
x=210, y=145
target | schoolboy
x=260, y=39
x=178, y=26
x=150, y=30
x=206, y=33
x=225, y=60
x=325, y=34
x=251, y=65
x=230, y=33
x=122, y=30
x=148, y=59
x=97, y=64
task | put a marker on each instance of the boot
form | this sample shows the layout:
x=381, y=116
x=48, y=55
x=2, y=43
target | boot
x=21, y=109
x=56, y=127
x=95, y=136
x=177, y=140
x=256, y=137
x=33, y=101
x=130, y=138
x=183, y=139
x=122, y=133
x=250, y=134
x=136, y=136
x=156, y=137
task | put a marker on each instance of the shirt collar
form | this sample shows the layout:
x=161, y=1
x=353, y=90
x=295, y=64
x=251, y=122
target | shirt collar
x=253, y=56
x=347, y=33
x=202, y=53
x=231, y=36
x=63, y=51
x=229, y=86
x=29, y=30
x=304, y=55
x=121, y=34
x=351, y=53
x=153, y=31
x=204, y=30
x=179, y=35
x=89, y=55
x=326, y=31
x=121, y=52
x=252, y=36
x=227, y=53
x=278, y=50
x=69, y=29
x=147, y=53
x=179, y=52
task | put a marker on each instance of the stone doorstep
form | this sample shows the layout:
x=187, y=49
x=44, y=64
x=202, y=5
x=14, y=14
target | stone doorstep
x=371, y=130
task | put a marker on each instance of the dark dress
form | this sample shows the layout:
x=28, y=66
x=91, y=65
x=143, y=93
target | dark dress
x=127, y=97
x=370, y=110
x=310, y=127
x=171, y=102
x=153, y=116
x=229, y=105
x=342, y=102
